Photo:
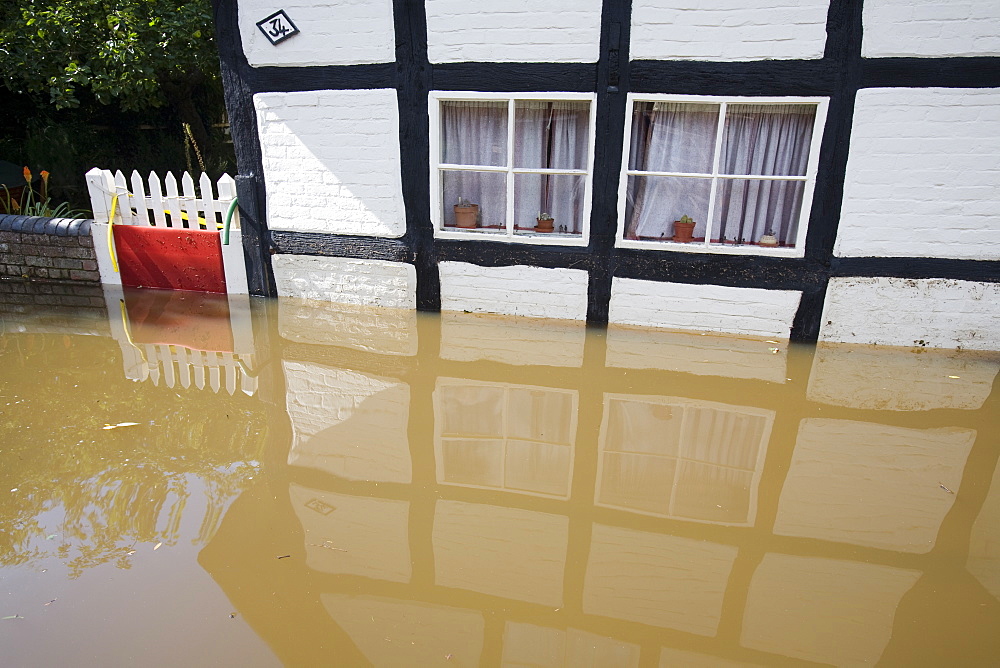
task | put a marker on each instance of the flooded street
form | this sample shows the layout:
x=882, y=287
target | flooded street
x=190, y=481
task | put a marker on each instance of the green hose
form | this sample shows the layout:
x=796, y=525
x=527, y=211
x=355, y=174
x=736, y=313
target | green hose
x=229, y=219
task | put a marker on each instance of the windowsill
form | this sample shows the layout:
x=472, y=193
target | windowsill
x=521, y=235
x=698, y=246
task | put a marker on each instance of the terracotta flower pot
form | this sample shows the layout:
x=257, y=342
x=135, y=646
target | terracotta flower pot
x=683, y=232
x=544, y=224
x=467, y=217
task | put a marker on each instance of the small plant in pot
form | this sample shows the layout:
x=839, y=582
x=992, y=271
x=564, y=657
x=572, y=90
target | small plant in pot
x=544, y=223
x=466, y=214
x=768, y=239
x=684, y=230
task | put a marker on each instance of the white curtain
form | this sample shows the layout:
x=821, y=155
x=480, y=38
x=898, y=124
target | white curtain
x=474, y=133
x=765, y=140
x=548, y=135
x=762, y=140
x=670, y=137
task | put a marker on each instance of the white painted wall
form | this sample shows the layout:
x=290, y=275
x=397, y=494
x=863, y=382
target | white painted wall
x=332, y=32
x=894, y=379
x=350, y=424
x=931, y=28
x=331, y=161
x=379, y=330
x=728, y=30
x=829, y=611
x=346, y=280
x=922, y=174
x=515, y=31
x=871, y=484
x=936, y=312
x=534, y=292
x=712, y=308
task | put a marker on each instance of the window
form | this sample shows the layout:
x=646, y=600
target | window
x=512, y=167
x=515, y=438
x=741, y=169
x=690, y=460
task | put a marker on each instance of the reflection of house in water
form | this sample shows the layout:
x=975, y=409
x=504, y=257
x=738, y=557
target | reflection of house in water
x=443, y=509
x=679, y=458
x=184, y=338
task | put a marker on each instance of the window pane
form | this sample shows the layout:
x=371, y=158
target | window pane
x=540, y=415
x=673, y=137
x=471, y=410
x=551, y=134
x=655, y=202
x=748, y=209
x=637, y=482
x=712, y=493
x=474, y=133
x=485, y=190
x=767, y=139
x=559, y=195
x=538, y=467
x=638, y=426
x=472, y=462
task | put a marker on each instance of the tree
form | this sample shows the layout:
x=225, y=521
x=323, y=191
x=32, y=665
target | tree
x=136, y=54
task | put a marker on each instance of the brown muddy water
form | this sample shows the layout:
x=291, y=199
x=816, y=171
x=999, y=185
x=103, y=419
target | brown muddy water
x=186, y=481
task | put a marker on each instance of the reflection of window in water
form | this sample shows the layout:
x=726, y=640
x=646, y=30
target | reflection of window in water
x=510, y=437
x=686, y=460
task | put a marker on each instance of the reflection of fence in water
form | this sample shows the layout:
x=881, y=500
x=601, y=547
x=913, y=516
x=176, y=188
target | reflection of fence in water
x=177, y=365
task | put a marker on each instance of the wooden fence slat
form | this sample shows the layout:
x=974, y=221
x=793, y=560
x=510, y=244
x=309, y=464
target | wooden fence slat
x=167, y=362
x=183, y=369
x=139, y=194
x=231, y=366
x=124, y=208
x=173, y=201
x=213, y=371
x=100, y=193
x=151, y=363
x=199, y=369
x=190, y=201
x=156, y=201
x=208, y=201
x=227, y=192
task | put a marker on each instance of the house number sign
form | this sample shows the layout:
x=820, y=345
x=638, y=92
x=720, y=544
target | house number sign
x=277, y=27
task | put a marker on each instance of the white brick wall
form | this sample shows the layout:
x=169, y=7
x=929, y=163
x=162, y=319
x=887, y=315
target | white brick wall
x=931, y=28
x=922, y=174
x=469, y=337
x=350, y=424
x=347, y=281
x=379, y=330
x=561, y=31
x=701, y=354
x=871, y=484
x=938, y=313
x=519, y=290
x=332, y=32
x=713, y=308
x=888, y=379
x=331, y=161
x=728, y=29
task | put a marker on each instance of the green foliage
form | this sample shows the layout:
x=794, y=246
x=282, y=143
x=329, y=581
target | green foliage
x=119, y=50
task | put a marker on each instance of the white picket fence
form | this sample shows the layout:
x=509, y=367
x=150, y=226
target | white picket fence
x=156, y=203
x=150, y=202
x=184, y=367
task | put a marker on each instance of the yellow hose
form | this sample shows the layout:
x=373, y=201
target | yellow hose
x=111, y=236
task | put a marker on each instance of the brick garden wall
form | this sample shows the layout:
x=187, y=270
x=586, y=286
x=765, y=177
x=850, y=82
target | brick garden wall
x=59, y=249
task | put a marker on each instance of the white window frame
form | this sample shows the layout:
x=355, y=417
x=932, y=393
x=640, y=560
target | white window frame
x=819, y=126
x=547, y=239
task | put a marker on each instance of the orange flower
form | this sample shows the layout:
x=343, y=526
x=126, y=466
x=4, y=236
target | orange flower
x=27, y=175
x=45, y=176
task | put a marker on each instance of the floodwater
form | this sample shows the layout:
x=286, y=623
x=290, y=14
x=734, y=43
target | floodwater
x=190, y=481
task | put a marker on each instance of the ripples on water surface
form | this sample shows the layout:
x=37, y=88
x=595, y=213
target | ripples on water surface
x=311, y=484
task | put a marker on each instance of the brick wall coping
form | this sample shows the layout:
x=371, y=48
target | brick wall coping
x=60, y=227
